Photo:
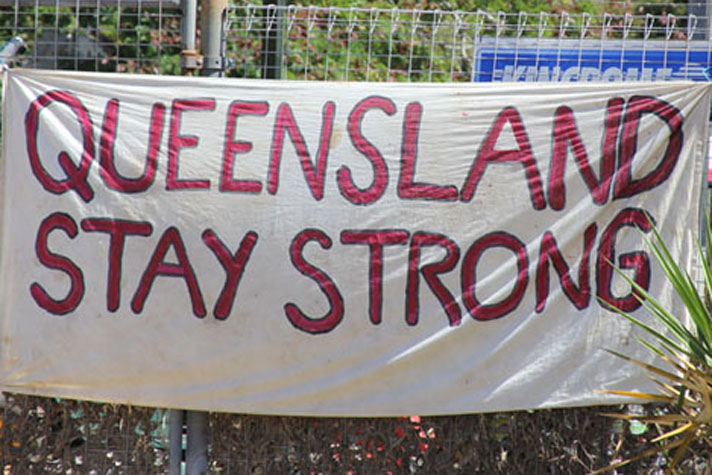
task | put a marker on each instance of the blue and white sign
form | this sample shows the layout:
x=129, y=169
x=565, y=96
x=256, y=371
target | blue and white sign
x=509, y=60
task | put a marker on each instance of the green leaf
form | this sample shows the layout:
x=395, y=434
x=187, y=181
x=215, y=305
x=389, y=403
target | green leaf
x=637, y=428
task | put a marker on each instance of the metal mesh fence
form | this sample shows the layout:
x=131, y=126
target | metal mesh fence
x=93, y=36
x=45, y=435
x=330, y=43
x=299, y=42
x=311, y=43
x=350, y=44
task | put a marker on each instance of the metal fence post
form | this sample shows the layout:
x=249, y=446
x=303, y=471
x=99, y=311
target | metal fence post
x=273, y=46
x=213, y=64
x=211, y=21
x=189, y=61
x=189, y=58
x=196, y=458
x=175, y=447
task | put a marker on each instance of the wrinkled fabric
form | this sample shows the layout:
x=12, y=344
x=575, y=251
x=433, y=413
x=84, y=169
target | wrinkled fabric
x=355, y=249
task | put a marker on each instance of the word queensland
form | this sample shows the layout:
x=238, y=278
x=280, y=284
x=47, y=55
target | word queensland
x=613, y=179
x=620, y=137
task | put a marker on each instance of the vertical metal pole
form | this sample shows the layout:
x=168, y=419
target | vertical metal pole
x=273, y=48
x=211, y=21
x=188, y=54
x=189, y=23
x=196, y=458
x=212, y=65
x=175, y=447
x=189, y=62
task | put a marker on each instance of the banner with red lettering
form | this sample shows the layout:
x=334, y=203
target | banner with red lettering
x=318, y=248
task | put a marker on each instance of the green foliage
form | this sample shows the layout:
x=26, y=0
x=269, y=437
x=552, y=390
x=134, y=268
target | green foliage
x=695, y=343
x=686, y=381
x=637, y=427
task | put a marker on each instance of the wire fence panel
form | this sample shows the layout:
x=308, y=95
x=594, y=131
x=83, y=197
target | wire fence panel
x=95, y=37
x=46, y=435
x=317, y=43
x=321, y=43
x=349, y=44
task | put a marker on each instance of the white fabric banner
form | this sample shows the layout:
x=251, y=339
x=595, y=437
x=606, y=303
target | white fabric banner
x=336, y=248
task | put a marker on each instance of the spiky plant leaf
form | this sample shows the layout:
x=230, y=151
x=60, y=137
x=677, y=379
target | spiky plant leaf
x=639, y=395
x=687, y=390
x=683, y=428
x=646, y=453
